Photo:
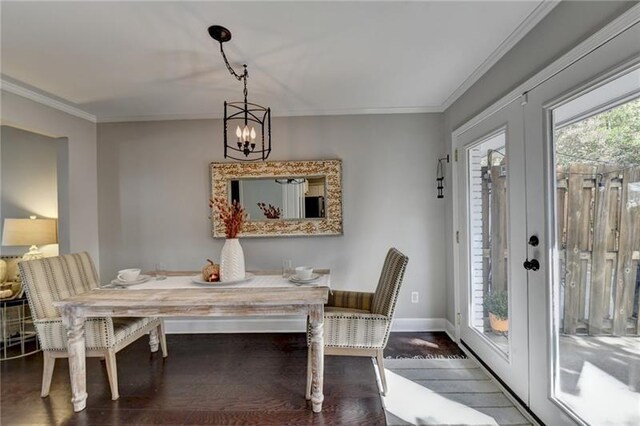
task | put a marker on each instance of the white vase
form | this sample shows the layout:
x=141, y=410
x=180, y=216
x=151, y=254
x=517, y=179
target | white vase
x=231, y=261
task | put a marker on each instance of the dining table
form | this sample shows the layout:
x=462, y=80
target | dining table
x=184, y=294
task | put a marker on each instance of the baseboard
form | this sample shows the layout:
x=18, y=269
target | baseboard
x=418, y=324
x=450, y=329
x=280, y=325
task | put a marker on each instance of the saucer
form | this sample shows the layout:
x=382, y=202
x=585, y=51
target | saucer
x=141, y=279
x=295, y=279
x=197, y=279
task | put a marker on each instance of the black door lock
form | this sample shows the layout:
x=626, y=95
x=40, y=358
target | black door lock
x=531, y=265
x=534, y=241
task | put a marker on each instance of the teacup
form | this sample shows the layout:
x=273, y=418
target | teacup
x=304, y=272
x=128, y=275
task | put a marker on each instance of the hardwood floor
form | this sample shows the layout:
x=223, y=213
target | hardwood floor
x=209, y=379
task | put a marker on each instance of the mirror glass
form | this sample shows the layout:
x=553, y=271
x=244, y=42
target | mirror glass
x=34, y=182
x=285, y=198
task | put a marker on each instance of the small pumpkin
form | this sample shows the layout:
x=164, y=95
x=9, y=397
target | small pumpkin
x=211, y=272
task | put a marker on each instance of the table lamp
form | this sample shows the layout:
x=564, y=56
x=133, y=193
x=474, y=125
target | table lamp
x=30, y=232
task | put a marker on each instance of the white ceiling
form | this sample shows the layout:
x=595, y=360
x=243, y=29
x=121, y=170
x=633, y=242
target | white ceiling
x=155, y=60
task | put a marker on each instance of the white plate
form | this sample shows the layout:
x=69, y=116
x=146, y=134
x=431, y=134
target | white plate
x=297, y=280
x=197, y=279
x=141, y=279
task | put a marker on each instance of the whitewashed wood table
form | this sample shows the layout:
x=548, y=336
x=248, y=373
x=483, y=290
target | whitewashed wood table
x=178, y=296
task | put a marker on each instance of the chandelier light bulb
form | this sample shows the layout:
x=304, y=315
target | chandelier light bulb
x=238, y=132
x=253, y=134
x=245, y=133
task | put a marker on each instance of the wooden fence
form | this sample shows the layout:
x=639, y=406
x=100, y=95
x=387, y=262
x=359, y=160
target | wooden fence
x=598, y=226
x=599, y=233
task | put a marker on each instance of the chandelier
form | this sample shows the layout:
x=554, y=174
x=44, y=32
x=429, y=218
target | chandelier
x=252, y=122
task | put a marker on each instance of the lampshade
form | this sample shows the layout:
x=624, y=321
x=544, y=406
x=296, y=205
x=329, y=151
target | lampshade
x=28, y=232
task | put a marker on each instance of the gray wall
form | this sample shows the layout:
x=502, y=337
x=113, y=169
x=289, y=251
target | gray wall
x=28, y=168
x=77, y=170
x=567, y=25
x=153, y=186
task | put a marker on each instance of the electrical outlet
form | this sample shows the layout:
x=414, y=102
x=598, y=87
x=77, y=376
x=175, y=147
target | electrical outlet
x=414, y=297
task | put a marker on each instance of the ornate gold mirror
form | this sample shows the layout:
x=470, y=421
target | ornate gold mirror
x=282, y=198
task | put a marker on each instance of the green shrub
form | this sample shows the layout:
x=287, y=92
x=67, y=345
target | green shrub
x=497, y=302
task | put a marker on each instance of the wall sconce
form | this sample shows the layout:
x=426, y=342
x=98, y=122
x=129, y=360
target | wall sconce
x=30, y=232
x=440, y=175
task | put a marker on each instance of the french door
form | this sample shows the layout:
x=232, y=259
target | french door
x=549, y=226
x=492, y=228
x=583, y=338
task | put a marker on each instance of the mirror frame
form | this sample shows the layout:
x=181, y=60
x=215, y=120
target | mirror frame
x=331, y=170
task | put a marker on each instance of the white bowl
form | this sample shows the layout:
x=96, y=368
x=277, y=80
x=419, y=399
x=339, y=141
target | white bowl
x=128, y=275
x=304, y=272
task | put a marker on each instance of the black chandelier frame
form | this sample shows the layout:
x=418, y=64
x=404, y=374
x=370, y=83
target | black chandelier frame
x=243, y=112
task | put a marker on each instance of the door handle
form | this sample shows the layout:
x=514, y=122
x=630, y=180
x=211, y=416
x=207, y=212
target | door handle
x=531, y=265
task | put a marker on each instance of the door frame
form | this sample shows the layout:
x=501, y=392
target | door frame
x=616, y=27
x=608, y=32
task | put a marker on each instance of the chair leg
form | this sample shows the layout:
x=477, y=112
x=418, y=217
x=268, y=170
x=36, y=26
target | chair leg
x=153, y=339
x=47, y=373
x=308, y=393
x=112, y=373
x=163, y=339
x=380, y=359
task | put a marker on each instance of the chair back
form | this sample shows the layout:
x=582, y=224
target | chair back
x=386, y=295
x=55, y=278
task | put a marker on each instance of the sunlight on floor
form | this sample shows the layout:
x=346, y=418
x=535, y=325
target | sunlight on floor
x=421, y=406
x=417, y=342
x=596, y=390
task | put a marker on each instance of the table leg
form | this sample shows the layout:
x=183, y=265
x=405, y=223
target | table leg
x=316, y=322
x=74, y=324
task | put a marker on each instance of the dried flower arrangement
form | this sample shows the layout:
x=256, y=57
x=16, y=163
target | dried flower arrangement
x=271, y=212
x=232, y=215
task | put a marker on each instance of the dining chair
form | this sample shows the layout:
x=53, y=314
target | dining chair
x=358, y=323
x=55, y=278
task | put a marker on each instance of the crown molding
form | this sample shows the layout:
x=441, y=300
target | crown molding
x=623, y=22
x=40, y=98
x=530, y=21
x=525, y=26
x=307, y=113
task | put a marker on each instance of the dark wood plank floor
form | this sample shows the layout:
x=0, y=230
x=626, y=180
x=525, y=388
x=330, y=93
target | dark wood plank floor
x=208, y=379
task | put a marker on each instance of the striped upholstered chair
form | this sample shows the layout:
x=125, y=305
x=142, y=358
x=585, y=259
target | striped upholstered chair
x=358, y=323
x=54, y=278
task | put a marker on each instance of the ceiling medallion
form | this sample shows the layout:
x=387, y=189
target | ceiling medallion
x=252, y=121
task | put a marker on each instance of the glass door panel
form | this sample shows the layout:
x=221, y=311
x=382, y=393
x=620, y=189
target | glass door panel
x=597, y=163
x=488, y=237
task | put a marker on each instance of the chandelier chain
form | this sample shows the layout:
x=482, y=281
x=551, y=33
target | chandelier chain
x=240, y=77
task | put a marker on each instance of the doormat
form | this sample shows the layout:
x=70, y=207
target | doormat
x=426, y=357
